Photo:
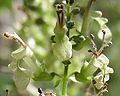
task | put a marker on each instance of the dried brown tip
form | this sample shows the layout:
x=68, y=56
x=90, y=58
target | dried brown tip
x=6, y=34
x=60, y=14
x=15, y=37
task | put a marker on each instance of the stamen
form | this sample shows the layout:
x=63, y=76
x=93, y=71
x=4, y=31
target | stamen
x=6, y=92
x=93, y=42
x=94, y=53
x=103, y=35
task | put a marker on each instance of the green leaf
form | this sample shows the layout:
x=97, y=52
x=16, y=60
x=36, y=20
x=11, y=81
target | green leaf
x=57, y=83
x=79, y=42
x=21, y=79
x=87, y=71
x=75, y=11
x=43, y=76
x=70, y=24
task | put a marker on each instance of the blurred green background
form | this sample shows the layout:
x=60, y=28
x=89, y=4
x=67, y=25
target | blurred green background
x=35, y=23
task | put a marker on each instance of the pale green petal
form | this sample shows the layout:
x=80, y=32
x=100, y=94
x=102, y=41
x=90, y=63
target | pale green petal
x=19, y=53
x=63, y=50
x=101, y=21
x=13, y=65
x=31, y=65
x=29, y=52
x=96, y=14
x=107, y=77
x=21, y=79
x=99, y=80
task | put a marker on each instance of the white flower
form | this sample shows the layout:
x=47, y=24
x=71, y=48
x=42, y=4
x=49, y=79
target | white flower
x=101, y=60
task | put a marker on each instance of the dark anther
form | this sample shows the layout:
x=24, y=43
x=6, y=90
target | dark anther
x=59, y=6
x=6, y=35
x=104, y=87
x=103, y=32
x=60, y=11
x=103, y=35
x=94, y=82
x=6, y=92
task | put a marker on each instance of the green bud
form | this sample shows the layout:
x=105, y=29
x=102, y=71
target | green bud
x=79, y=42
x=70, y=24
x=75, y=11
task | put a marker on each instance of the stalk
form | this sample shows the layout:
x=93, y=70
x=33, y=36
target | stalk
x=65, y=80
x=86, y=20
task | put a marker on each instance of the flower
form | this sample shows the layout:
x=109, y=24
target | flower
x=103, y=76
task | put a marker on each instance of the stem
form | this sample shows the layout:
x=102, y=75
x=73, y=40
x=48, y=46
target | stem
x=68, y=11
x=86, y=20
x=65, y=79
x=68, y=15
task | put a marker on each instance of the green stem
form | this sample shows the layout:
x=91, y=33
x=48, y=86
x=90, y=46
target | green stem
x=68, y=16
x=86, y=20
x=68, y=11
x=65, y=80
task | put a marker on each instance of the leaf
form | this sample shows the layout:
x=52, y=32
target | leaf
x=21, y=79
x=79, y=42
x=43, y=76
x=57, y=83
x=87, y=71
